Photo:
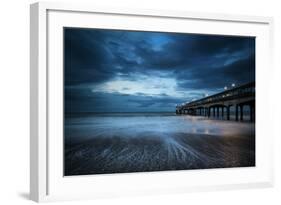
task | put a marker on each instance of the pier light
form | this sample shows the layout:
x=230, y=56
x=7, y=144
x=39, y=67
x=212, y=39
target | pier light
x=206, y=95
x=225, y=87
x=233, y=84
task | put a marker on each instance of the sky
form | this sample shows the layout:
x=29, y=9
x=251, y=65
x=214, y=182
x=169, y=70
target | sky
x=137, y=71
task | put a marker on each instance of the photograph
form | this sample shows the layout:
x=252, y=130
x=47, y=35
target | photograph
x=146, y=101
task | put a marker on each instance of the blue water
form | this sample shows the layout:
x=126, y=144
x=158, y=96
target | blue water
x=132, y=142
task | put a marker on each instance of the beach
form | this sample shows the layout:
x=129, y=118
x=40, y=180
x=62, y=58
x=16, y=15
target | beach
x=142, y=142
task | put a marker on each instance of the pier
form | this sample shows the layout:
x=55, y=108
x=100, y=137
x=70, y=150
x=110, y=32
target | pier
x=220, y=104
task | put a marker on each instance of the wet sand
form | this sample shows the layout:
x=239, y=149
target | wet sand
x=152, y=151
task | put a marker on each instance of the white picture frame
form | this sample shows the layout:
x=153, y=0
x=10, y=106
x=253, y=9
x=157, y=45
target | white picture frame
x=47, y=182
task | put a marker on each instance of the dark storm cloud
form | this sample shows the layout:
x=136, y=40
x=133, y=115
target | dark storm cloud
x=84, y=100
x=208, y=61
x=97, y=55
x=195, y=62
x=87, y=57
x=238, y=72
x=184, y=52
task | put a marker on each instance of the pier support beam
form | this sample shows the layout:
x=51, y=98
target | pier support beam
x=228, y=112
x=236, y=112
x=241, y=112
x=218, y=111
x=252, y=112
x=222, y=111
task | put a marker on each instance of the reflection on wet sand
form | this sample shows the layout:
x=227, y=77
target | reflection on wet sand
x=137, y=143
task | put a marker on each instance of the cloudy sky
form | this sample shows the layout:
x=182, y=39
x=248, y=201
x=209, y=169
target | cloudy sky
x=131, y=71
